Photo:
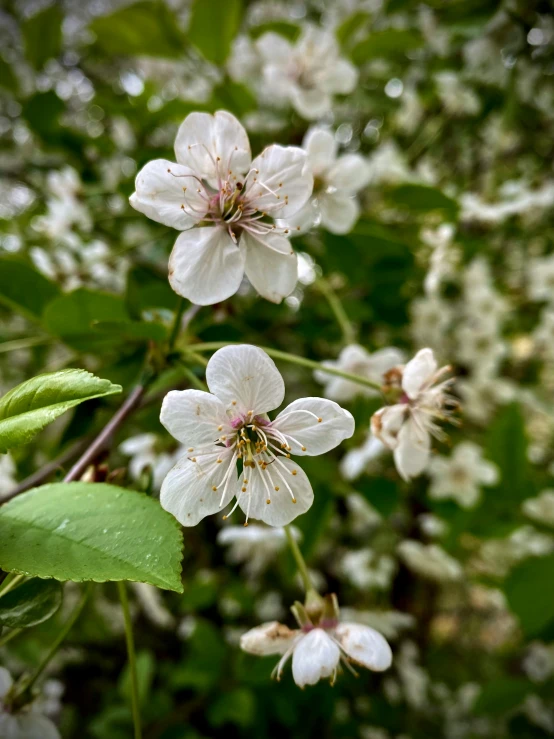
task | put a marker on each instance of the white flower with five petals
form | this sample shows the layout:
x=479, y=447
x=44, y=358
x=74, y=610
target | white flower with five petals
x=407, y=426
x=337, y=179
x=225, y=203
x=308, y=73
x=230, y=425
x=318, y=649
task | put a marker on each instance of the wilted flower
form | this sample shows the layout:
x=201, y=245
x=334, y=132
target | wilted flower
x=407, y=426
x=28, y=723
x=224, y=203
x=460, y=476
x=337, y=179
x=358, y=361
x=306, y=74
x=229, y=425
x=318, y=649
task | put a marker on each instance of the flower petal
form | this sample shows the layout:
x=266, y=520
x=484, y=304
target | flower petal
x=289, y=478
x=412, y=452
x=160, y=194
x=34, y=726
x=246, y=375
x=272, y=46
x=314, y=426
x=187, y=490
x=269, y=638
x=340, y=77
x=315, y=656
x=310, y=103
x=194, y=417
x=211, y=145
x=321, y=147
x=206, y=266
x=387, y=422
x=271, y=265
x=350, y=173
x=6, y=682
x=365, y=646
x=284, y=182
x=339, y=212
x=418, y=371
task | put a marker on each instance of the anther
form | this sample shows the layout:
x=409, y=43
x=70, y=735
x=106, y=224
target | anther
x=277, y=488
x=319, y=420
x=193, y=459
x=220, y=428
x=190, y=449
x=214, y=488
x=233, y=402
x=294, y=499
x=303, y=448
x=268, y=501
x=243, y=490
x=294, y=473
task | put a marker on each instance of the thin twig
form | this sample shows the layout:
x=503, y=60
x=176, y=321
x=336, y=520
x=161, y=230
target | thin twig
x=104, y=436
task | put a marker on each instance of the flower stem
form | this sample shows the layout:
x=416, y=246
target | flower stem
x=26, y=685
x=191, y=377
x=180, y=309
x=10, y=582
x=300, y=562
x=131, y=656
x=348, y=332
x=294, y=359
x=9, y=636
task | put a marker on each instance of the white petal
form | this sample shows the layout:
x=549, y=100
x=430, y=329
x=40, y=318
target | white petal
x=418, y=371
x=315, y=656
x=273, y=47
x=300, y=420
x=206, y=266
x=322, y=149
x=246, y=375
x=193, y=417
x=291, y=480
x=365, y=646
x=270, y=638
x=159, y=194
x=34, y=726
x=187, y=490
x=340, y=78
x=311, y=103
x=301, y=221
x=387, y=422
x=6, y=682
x=271, y=265
x=339, y=212
x=412, y=452
x=488, y=473
x=350, y=173
x=284, y=182
x=211, y=145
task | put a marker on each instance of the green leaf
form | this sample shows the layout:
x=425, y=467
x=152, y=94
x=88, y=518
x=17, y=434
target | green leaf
x=507, y=447
x=8, y=80
x=42, y=112
x=23, y=289
x=233, y=97
x=132, y=330
x=146, y=28
x=422, y=199
x=393, y=42
x=146, y=668
x=213, y=26
x=147, y=290
x=30, y=604
x=28, y=408
x=529, y=595
x=42, y=34
x=91, y=531
x=71, y=317
x=234, y=707
x=351, y=26
x=502, y=695
x=290, y=31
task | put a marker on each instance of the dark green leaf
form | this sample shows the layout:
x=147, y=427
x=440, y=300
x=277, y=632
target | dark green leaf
x=502, y=696
x=529, y=595
x=288, y=30
x=71, y=317
x=24, y=289
x=145, y=28
x=213, y=26
x=393, y=42
x=42, y=34
x=90, y=531
x=42, y=112
x=30, y=604
x=8, y=80
x=422, y=198
x=131, y=330
x=29, y=407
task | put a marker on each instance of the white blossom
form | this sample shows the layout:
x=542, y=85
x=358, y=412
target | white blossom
x=357, y=460
x=357, y=361
x=474, y=208
x=230, y=424
x=7, y=473
x=224, y=203
x=256, y=546
x=541, y=279
x=407, y=426
x=457, y=98
x=461, y=475
x=143, y=453
x=337, y=179
x=306, y=74
x=429, y=560
x=28, y=723
x=64, y=209
x=541, y=508
x=317, y=650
